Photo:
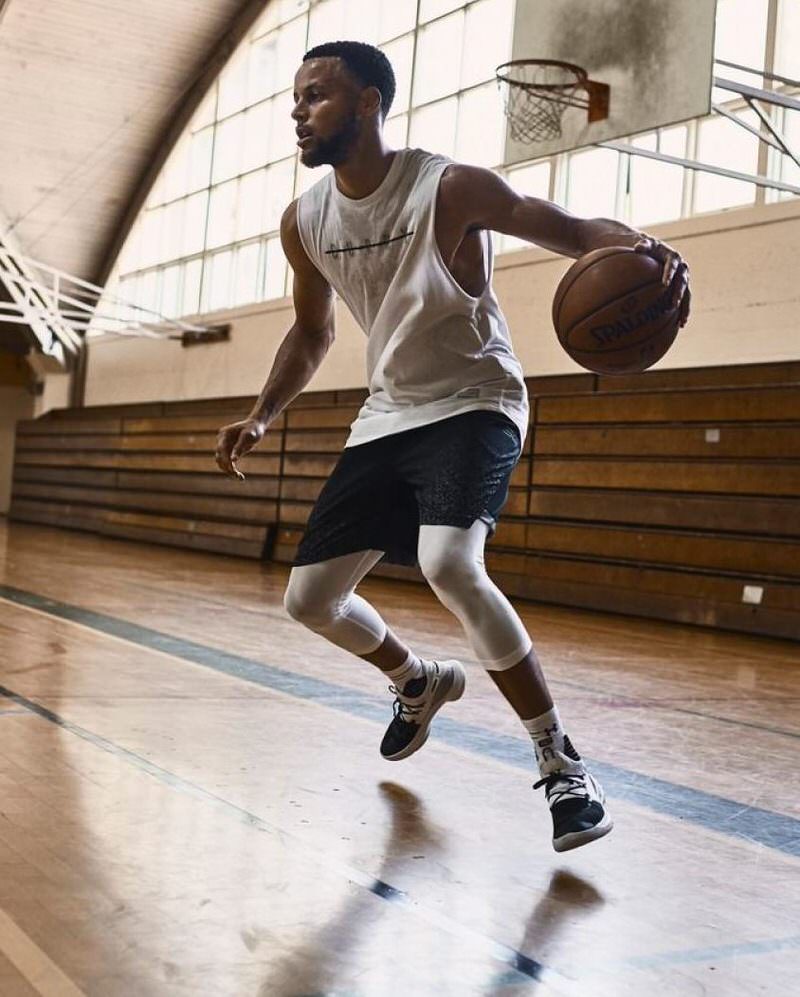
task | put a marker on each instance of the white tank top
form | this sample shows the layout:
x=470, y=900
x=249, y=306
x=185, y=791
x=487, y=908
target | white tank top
x=433, y=351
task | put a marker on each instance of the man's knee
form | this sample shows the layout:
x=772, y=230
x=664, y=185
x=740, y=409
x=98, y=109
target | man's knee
x=450, y=571
x=306, y=603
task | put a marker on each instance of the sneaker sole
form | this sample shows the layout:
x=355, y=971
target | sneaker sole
x=454, y=693
x=577, y=838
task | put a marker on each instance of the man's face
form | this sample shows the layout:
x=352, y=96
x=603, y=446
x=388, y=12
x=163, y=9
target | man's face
x=326, y=99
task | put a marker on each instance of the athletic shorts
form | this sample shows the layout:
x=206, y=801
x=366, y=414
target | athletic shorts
x=446, y=473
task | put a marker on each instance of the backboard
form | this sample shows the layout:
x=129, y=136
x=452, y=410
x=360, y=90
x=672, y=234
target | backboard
x=655, y=55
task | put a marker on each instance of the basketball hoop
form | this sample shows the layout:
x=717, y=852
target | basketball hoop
x=537, y=92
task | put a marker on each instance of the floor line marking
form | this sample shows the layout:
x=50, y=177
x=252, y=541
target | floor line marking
x=718, y=814
x=509, y=956
x=32, y=962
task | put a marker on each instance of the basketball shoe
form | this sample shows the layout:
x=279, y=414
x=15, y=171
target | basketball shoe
x=416, y=705
x=577, y=805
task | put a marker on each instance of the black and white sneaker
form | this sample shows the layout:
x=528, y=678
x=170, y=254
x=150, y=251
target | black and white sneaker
x=577, y=805
x=417, y=704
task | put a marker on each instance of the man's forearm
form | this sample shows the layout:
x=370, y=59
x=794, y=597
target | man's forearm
x=596, y=233
x=297, y=360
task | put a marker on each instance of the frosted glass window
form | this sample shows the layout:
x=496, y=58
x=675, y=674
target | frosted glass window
x=592, y=183
x=481, y=127
x=438, y=58
x=273, y=269
x=290, y=50
x=434, y=127
x=400, y=53
x=741, y=32
x=287, y=9
x=395, y=18
x=222, y=214
x=262, y=68
x=170, y=291
x=361, y=20
x=217, y=282
x=282, y=140
x=250, y=205
x=787, y=41
x=723, y=143
x=233, y=83
x=656, y=189
x=487, y=40
x=194, y=223
x=147, y=296
x=190, y=299
x=151, y=236
x=279, y=186
x=156, y=197
x=672, y=141
x=175, y=176
x=228, y=148
x=255, y=136
x=172, y=231
x=788, y=171
x=246, y=274
x=435, y=8
x=200, y=159
x=131, y=251
x=326, y=22
x=394, y=131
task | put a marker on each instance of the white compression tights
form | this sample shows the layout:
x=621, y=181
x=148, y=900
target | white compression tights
x=322, y=597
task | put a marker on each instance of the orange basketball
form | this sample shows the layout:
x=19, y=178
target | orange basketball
x=611, y=312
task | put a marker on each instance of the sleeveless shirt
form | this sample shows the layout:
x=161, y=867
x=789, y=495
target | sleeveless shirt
x=433, y=350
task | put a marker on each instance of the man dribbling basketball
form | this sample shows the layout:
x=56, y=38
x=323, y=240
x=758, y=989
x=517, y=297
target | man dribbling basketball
x=403, y=237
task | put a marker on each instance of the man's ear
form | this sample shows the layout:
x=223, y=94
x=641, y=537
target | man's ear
x=370, y=101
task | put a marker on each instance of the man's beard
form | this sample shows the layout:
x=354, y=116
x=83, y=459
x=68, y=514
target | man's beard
x=333, y=150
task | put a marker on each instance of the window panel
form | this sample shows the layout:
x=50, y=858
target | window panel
x=255, y=142
x=741, y=31
x=435, y=8
x=151, y=236
x=147, y=296
x=400, y=53
x=592, y=183
x=290, y=50
x=656, y=191
x=394, y=131
x=279, y=186
x=228, y=148
x=723, y=143
x=217, y=282
x=233, y=83
x=190, y=298
x=222, y=214
x=172, y=231
x=246, y=274
x=438, y=58
x=170, y=291
x=194, y=223
x=200, y=159
x=395, y=18
x=263, y=68
x=251, y=205
x=361, y=20
x=175, y=175
x=434, y=127
x=282, y=138
x=206, y=110
x=787, y=40
x=487, y=40
x=785, y=169
x=273, y=270
x=326, y=22
x=481, y=127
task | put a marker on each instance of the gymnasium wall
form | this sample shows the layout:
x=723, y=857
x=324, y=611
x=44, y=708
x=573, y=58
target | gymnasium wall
x=746, y=309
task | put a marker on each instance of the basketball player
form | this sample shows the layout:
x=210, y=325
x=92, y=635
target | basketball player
x=403, y=237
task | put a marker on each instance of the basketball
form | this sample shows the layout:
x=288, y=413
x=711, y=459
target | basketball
x=611, y=312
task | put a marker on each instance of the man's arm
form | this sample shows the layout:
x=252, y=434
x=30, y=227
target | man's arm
x=298, y=357
x=474, y=198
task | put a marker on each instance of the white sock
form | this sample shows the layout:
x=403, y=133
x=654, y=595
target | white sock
x=548, y=738
x=412, y=668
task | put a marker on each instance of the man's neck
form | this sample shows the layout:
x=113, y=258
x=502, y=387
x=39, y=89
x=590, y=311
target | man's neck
x=365, y=169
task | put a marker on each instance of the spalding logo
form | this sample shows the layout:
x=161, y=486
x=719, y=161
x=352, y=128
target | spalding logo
x=611, y=332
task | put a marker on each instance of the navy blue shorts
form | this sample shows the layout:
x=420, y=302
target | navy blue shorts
x=447, y=473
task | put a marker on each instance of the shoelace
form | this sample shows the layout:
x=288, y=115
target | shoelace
x=573, y=783
x=403, y=710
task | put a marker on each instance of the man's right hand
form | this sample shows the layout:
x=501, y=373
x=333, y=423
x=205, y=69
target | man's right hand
x=236, y=440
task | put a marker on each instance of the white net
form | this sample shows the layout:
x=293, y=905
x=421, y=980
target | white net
x=536, y=95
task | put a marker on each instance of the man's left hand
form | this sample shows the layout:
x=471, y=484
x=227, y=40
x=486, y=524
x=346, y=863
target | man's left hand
x=675, y=273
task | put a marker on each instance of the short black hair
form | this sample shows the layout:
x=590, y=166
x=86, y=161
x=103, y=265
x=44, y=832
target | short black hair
x=368, y=64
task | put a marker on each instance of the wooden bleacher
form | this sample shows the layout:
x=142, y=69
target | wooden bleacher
x=661, y=495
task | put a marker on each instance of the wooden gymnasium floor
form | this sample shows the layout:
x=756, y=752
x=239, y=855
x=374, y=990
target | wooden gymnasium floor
x=192, y=800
